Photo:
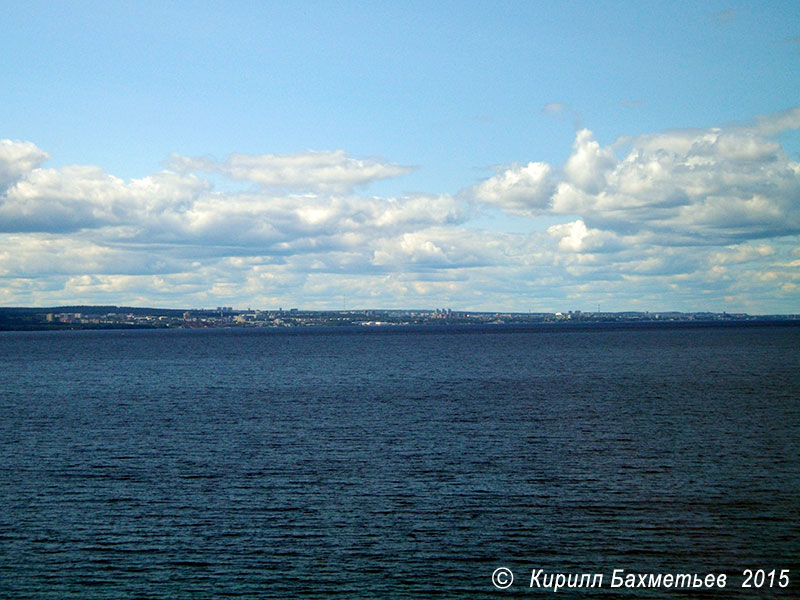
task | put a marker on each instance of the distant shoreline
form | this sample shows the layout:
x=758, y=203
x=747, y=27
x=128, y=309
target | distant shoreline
x=126, y=318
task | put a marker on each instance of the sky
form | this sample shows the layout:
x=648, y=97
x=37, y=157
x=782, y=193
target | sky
x=510, y=156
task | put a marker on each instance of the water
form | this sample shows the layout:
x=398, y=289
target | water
x=395, y=463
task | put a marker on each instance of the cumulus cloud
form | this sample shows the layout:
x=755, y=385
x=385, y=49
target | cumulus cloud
x=588, y=165
x=448, y=248
x=519, y=190
x=84, y=234
x=687, y=219
x=576, y=237
x=86, y=197
x=183, y=208
x=322, y=171
x=708, y=211
x=741, y=253
x=17, y=159
x=294, y=223
x=716, y=185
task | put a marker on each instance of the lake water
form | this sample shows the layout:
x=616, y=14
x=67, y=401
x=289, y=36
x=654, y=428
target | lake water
x=395, y=462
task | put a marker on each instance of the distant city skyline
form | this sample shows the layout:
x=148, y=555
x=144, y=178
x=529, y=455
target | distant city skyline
x=508, y=157
x=121, y=317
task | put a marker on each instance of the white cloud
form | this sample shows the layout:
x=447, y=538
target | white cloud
x=518, y=190
x=588, y=165
x=576, y=237
x=714, y=186
x=775, y=123
x=447, y=248
x=333, y=171
x=86, y=197
x=686, y=220
x=17, y=159
x=742, y=253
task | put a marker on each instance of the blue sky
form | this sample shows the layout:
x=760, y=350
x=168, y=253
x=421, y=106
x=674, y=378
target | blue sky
x=477, y=155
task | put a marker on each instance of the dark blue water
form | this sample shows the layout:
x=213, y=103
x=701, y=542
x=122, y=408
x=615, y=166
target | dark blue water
x=394, y=463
